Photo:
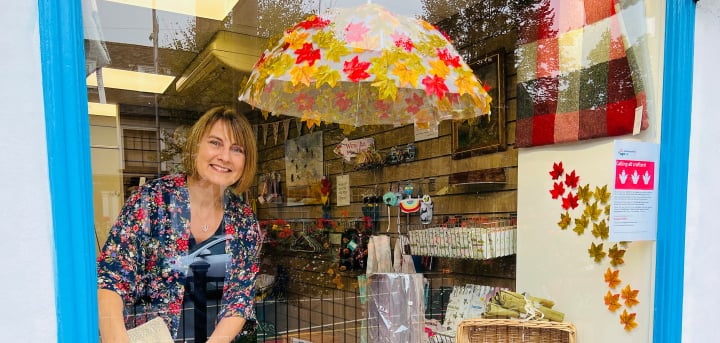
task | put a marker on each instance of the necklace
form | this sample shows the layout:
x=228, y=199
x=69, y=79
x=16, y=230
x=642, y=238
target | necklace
x=204, y=228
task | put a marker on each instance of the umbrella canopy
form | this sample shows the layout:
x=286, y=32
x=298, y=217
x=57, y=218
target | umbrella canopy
x=365, y=66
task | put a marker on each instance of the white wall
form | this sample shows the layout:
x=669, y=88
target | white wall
x=554, y=263
x=702, y=254
x=27, y=290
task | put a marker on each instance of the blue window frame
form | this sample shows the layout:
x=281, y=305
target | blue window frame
x=65, y=99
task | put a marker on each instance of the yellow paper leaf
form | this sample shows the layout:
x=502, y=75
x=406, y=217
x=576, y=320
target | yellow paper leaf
x=466, y=82
x=601, y=230
x=628, y=320
x=280, y=65
x=386, y=87
x=406, y=75
x=629, y=296
x=596, y=252
x=612, y=277
x=327, y=75
x=296, y=39
x=584, y=194
x=346, y=129
x=602, y=194
x=592, y=211
x=439, y=68
x=580, y=225
x=616, y=255
x=612, y=301
x=303, y=74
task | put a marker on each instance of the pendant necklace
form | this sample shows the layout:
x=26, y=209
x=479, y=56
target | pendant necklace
x=204, y=228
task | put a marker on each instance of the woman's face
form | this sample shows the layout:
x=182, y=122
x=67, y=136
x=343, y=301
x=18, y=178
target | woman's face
x=219, y=160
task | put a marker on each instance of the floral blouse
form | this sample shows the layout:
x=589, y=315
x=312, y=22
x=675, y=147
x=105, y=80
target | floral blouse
x=153, y=230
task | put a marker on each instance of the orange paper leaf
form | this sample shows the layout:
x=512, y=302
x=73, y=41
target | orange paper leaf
x=628, y=320
x=612, y=278
x=629, y=296
x=612, y=301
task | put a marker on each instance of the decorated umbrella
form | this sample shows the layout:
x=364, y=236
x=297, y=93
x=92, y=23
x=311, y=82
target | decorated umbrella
x=365, y=66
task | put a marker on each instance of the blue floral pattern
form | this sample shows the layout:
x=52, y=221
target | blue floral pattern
x=152, y=229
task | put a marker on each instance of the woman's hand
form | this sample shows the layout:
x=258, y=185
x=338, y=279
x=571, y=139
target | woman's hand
x=226, y=330
x=111, y=321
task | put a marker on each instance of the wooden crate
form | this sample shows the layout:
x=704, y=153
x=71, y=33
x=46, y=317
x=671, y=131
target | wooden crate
x=480, y=330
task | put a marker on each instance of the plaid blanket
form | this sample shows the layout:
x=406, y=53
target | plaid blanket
x=582, y=71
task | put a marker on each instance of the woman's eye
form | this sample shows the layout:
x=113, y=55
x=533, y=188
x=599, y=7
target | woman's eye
x=214, y=143
x=237, y=149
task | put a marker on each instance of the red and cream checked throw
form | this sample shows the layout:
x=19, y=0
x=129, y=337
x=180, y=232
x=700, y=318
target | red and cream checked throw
x=582, y=71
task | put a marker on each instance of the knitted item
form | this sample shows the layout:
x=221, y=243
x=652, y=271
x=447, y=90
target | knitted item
x=582, y=72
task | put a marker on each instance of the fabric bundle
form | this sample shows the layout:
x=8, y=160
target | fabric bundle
x=583, y=72
x=509, y=304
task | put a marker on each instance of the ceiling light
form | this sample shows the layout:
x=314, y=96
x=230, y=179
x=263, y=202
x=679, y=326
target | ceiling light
x=212, y=9
x=98, y=109
x=131, y=80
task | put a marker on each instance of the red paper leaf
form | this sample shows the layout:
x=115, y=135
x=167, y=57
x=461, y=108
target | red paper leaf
x=557, y=170
x=435, y=85
x=450, y=60
x=356, y=70
x=307, y=53
x=571, y=180
x=558, y=190
x=313, y=22
x=570, y=201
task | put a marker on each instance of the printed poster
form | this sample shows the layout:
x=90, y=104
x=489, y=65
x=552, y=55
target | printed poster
x=633, y=211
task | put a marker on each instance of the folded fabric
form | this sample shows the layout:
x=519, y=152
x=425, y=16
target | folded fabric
x=154, y=331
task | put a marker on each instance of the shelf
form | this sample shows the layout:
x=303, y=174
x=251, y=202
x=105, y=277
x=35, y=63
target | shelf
x=483, y=176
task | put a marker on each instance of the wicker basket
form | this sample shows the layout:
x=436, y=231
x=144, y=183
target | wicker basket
x=482, y=330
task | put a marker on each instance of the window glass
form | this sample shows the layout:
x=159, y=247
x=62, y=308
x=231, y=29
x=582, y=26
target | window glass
x=557, y=72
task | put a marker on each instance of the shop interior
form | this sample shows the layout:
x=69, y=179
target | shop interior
x=319, y=198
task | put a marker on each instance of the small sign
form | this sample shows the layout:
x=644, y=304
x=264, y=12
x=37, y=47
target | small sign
x=633, y=211
x=348, y=149
x=342, y=187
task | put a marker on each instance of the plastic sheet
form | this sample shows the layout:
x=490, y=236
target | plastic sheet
x=396, y=308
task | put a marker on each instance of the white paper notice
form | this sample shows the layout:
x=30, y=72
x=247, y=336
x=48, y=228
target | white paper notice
x=342, y=186
x=633, y=211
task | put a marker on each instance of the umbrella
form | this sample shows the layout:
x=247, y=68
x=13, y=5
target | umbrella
x=365, y=66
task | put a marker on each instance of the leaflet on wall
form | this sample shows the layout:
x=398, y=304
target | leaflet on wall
x=342, y=184
x=633, y=212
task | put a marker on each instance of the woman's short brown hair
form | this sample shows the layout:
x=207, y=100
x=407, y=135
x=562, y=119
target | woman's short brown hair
x=240, y=130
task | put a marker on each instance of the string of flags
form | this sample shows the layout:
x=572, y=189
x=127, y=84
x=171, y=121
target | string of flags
x=278, y=130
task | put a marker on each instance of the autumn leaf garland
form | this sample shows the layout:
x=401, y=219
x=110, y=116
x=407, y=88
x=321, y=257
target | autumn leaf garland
x=594, y=215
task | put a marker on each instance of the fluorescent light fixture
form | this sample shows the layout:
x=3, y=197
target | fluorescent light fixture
x=98, y=109
x=212, y=9
x=131, y=80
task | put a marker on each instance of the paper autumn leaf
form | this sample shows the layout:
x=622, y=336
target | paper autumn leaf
x=558, y=190
x=612, y=301
x=307, y=54
x=612, y=277
x=580, y=225
x=584, y=194
x=326, y=75
x=596, y=252
x=387, y=89
x=628, y=320
x=629, y=296
x=592, y=211
x=602, y=195
x=435, y=85
x=571, y=180
x=557, y=170
x=356, y=70
x=601, y=230
x=302, y=74
x=607, y=210
x=570, y=201
x=564, y=220
x=616, y=256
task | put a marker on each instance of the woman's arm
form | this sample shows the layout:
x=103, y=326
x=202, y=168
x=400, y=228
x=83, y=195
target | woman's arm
x=227, y=329
x=110, y=311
